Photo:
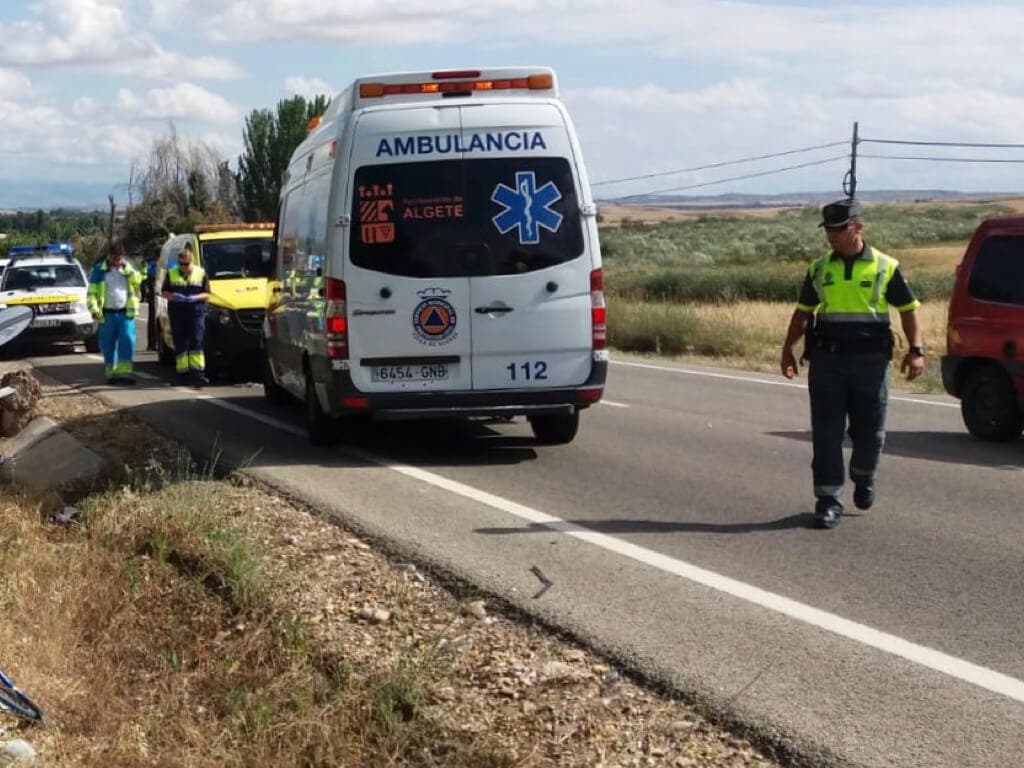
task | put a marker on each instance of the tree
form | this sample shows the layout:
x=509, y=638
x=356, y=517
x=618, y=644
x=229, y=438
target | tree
x=182, y=184
x=270, y=138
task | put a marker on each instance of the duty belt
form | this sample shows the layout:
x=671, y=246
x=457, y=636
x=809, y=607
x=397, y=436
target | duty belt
x=881, y=346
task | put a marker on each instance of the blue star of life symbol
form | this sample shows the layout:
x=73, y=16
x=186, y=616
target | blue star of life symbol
x=527, y=207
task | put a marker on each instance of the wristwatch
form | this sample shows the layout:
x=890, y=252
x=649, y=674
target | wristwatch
x=916, y=351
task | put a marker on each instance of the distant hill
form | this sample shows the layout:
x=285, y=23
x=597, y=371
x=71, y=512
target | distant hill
x=799, y=199
x=33, y=194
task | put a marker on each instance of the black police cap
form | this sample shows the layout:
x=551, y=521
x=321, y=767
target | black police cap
x=839, y=213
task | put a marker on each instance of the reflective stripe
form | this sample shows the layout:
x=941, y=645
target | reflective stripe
x=852, y=317
x=835, y=491
x=181, y=363
x=884, y=264
x=122, y=367
x=816, y=276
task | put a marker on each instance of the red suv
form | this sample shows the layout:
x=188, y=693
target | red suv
x=984, y=366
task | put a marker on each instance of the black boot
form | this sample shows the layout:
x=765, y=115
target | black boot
x=827, y=512
x=864, y=494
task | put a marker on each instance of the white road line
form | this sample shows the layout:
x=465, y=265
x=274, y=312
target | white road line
x=613, y=404
x=753, y=380
x=952, y=666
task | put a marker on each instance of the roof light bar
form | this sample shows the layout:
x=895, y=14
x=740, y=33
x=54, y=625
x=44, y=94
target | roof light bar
x=541, y=82
x=205, y=228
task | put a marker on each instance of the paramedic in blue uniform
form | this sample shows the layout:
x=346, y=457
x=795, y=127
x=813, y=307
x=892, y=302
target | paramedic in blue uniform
x=112, y=297
x=187, y=289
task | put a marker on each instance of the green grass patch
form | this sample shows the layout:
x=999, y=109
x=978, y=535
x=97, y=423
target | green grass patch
x=718, y=258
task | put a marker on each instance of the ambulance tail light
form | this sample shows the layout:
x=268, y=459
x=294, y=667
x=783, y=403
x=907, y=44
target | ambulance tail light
x=599, y=329
x=336, y=319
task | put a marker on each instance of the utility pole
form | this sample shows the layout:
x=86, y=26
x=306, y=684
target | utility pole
x=110, y=230
x=850, y=182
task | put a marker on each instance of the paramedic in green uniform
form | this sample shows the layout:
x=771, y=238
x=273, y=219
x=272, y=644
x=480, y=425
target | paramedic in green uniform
x=844, y=309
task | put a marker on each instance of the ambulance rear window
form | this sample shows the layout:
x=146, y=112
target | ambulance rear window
x=455, y=218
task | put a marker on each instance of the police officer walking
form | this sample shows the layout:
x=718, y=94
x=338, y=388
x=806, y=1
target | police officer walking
x=187, y=288
x=843, y=312
x=112, y=298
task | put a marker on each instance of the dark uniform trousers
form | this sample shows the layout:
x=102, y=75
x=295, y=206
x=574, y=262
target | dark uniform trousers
x=188, y=329
x=847, y=389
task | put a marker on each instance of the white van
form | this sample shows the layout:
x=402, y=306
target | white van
x=437, y=255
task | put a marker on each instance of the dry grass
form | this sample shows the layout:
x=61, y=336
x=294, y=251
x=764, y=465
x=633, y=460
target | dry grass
x=149, y=631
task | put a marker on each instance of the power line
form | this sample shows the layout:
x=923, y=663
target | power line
x=942, y=143
x=735, y=178
x=946, y=159
x=717, y=165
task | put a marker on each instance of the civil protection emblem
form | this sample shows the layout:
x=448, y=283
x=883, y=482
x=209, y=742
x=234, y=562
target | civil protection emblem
x=434, y=318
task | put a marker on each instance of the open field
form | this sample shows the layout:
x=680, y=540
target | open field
x=745, y=334
x=722, y=285
x=613, y=213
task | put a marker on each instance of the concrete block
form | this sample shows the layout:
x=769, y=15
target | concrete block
x=31, y=433
x=44, y=457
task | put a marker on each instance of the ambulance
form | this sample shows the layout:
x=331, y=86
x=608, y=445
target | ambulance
x=437, y=256
x=50, y=280
x=239, y=260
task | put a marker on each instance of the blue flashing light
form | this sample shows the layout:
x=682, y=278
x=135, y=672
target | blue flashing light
x=59, y=248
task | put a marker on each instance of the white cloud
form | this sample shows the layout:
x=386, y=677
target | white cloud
x=126, y=100
x=84, y=106
x=309, y=87
x=184, y=101
x=13, y=82
x=190, y=102
x=629, y=132
x=98, y=34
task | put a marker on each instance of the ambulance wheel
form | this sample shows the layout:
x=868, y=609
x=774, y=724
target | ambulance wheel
x=92, y=343
x=164, y=355
x=988, y=403
x=555, y=428
x=274, y=393
x=321, y=428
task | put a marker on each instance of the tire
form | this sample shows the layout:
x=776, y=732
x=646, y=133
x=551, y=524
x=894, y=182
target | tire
x=555, y=428
x=988, y=403
x=320, y=428
x=92, y=343
x=273, y=392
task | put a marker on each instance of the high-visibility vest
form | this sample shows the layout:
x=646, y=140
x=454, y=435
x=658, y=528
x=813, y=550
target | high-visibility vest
x=859, y=299
x=96, y=294
x=191, y=285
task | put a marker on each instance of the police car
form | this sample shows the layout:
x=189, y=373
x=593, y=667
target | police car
x=50, y=280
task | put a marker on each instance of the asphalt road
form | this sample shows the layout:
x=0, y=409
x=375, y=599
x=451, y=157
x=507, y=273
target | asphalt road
x=675, y=532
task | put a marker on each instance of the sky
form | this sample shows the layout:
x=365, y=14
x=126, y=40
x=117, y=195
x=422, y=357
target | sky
x=653, y=86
